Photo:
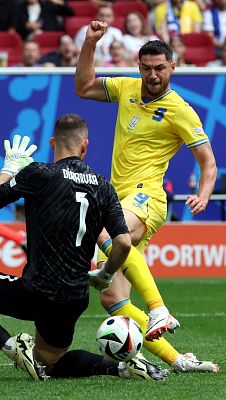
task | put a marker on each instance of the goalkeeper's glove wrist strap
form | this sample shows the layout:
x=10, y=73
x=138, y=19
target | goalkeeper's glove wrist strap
x=5, y=171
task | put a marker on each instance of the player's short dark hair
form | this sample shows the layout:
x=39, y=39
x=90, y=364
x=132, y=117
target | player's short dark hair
x=156, y=47
x=70, y=129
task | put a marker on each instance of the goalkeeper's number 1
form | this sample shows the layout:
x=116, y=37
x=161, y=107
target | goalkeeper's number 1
x=84, y=204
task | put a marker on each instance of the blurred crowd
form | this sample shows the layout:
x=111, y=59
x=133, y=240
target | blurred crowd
x=181, y=23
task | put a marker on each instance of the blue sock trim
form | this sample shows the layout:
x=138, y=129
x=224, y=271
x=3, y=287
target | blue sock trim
x=117, y=305
x=105, y=245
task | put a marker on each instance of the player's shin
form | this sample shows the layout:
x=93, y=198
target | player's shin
x=81, y=363
x=138, y=274
x=160, y=348
x=136, y=271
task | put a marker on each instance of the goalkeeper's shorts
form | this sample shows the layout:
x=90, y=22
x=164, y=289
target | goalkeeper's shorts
x=55, y=322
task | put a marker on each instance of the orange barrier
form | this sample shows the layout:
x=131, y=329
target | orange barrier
x=12, y=257
x=177, y=250
x=188, y=250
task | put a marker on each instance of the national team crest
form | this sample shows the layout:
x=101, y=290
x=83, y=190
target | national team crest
x=133, y=123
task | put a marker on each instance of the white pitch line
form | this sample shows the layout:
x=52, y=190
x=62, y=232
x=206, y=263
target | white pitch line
x=7, y=365
x=220, y=314
x=191, y=315
x=88, y=316
x=186, y=315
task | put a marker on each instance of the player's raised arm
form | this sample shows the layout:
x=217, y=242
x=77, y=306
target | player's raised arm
x=204, y=156
x=86, y=83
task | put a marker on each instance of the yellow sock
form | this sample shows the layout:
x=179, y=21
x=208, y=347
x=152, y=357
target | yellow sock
x=101, y=257
x=160, y=348
x=136, y=270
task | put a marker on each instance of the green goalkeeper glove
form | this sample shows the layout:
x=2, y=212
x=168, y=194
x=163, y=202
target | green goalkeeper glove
x=19, y=156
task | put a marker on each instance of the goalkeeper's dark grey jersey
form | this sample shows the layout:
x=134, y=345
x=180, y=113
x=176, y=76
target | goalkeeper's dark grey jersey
x=66, y=204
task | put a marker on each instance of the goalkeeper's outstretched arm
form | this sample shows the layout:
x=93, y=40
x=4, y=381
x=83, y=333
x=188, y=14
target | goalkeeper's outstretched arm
x=120, y=248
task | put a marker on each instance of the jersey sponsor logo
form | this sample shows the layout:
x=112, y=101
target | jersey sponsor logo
x=133, y=122
x=133, y=100
x=198, y=131
x=79, y=177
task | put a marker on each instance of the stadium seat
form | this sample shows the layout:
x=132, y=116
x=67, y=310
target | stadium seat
x=119, y=23
x=48, y=41
x=84, y=8
x=73, y=24
x=200, y=48
x=12, y=44
x=122, y=8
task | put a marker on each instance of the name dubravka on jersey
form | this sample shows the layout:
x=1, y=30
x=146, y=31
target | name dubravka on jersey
x=79, y=177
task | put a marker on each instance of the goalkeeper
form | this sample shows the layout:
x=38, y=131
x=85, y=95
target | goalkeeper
x=66, y=206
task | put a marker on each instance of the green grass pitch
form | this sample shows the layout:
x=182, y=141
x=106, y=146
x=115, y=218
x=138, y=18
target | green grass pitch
x=200, y=306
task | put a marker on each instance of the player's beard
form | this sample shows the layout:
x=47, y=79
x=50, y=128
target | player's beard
x=156, y=90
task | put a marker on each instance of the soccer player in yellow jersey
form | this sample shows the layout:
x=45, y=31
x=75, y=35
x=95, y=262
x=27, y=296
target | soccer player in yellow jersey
x=152, y=124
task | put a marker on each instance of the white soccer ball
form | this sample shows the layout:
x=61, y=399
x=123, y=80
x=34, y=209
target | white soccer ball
x=119, y=338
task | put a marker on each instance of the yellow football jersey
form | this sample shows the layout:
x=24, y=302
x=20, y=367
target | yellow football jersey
x=147, y=136
x=190, y=15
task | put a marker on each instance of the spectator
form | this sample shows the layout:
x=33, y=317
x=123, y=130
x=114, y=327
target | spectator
x=6, y=15
x=66, y=56
x=221, y=61
x=151, y=6
x=174, y=17
x=135, y=34
x=105, y=14
x=34, y=16
x=214, y=22
x=117, y=53
x=30, y=54
x=178, y=47
x=204, y=4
